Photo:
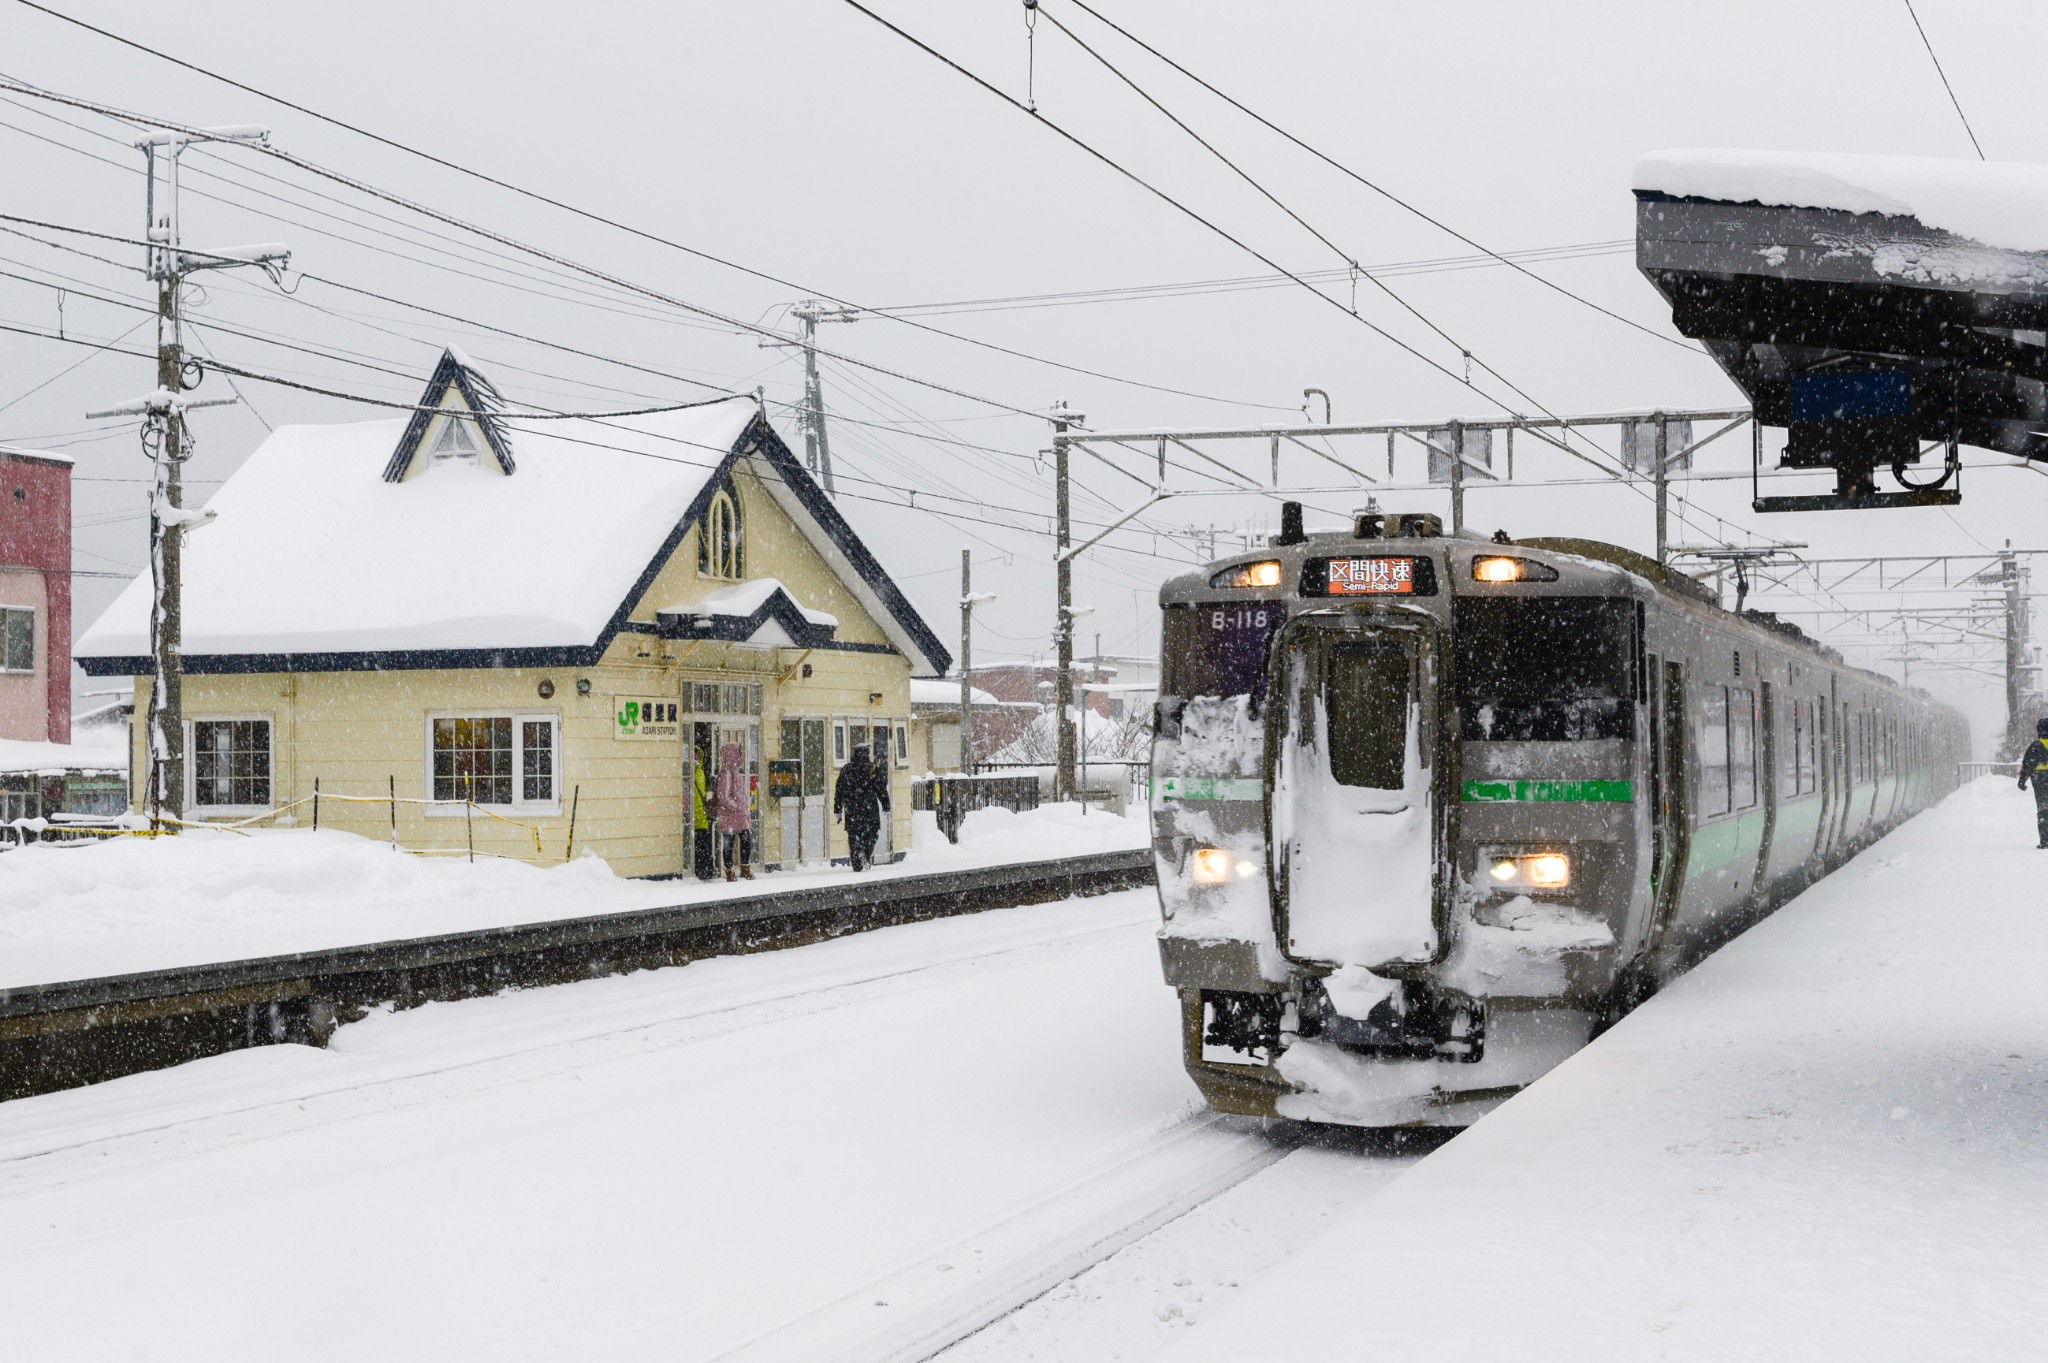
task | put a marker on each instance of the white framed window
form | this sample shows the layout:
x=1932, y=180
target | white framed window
x=454, y=440
x=502, y=759
x=228, y=764
x=17, y=639
x=721, y=546
x=901, y=729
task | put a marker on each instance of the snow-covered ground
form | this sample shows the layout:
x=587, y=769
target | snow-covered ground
x=837, y=1151
x=1830, y=1141
x=133, y=904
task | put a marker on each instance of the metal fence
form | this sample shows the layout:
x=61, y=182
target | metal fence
x=1971, y=771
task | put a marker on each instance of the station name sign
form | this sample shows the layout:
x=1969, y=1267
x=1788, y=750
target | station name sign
x=1369, y=575
x=639, y=717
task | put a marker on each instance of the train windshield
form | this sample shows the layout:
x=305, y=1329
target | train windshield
x=1546, y=669
x=1217, y=650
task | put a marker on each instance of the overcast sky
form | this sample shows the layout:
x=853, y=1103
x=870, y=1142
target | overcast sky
x=801, y=139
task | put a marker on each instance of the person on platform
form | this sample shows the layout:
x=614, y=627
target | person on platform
x=701, y=842
x=2034, y=772
x=734, y=817
x=859, y=800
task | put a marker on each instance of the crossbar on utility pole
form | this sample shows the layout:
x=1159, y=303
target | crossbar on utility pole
x=817, y=448
x=169, y=443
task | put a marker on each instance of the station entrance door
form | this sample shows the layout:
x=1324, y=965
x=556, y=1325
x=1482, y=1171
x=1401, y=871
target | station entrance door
x=805, y=819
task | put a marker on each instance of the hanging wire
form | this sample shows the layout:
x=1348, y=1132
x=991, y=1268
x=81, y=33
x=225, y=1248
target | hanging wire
x=1031, y=56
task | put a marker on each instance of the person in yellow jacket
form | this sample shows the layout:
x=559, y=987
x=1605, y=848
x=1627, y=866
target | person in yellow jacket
x=2034, y=772
x=701, y=856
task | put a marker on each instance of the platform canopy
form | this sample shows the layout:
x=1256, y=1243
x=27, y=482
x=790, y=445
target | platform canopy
x=1868, y=303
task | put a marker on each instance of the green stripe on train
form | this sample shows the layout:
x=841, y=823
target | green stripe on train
x=1208, y=788
x=1546, y=792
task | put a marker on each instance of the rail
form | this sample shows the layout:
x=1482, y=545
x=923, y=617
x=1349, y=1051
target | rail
x=71, y=1032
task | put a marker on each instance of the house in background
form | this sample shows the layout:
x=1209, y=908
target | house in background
x=935, y=723
x=35, y=596
x=42, y=771
x=473, y=625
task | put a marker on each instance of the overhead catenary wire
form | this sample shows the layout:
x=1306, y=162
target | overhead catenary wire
x=618, y=225
x=1382, y=191
x=1921, y=29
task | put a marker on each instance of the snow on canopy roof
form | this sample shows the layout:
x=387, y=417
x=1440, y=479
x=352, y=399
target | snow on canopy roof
x=313, y=552
x=944, y=694
x=1998, y=203
x=744, y=598
x=19, y=757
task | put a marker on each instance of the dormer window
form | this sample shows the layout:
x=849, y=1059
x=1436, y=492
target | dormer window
x=721, y=550
x=454, y=441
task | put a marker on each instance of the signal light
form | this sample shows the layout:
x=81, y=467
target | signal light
x=1265, y=573
x=1529, y=870
x=1211, y=865
x=1499, y=568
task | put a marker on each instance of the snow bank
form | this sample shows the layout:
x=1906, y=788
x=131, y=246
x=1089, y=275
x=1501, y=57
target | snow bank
x=133, y=904
x=1998, y=203
x=1825, y=1142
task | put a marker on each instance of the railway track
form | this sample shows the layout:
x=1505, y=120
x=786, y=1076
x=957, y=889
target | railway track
x=69, y=1033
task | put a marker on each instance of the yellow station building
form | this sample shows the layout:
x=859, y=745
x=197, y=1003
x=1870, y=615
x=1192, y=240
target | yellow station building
x=483, y=625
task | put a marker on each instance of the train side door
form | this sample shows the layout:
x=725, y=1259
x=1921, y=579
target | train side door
x=1671, y=807
x=1357, y=822
x=1767, y=775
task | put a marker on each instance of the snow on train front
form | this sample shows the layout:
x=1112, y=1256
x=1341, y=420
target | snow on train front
x=1368, y=917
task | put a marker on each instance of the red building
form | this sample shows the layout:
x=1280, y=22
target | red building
x=35, y=596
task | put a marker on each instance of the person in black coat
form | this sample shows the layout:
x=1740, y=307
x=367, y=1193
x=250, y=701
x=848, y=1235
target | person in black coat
x=860, y=797
x=2034, y=772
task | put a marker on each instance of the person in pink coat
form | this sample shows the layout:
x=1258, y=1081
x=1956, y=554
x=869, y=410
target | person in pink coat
x=733, y=819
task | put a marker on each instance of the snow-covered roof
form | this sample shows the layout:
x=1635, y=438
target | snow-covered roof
x=312, y=551
x=939, y=693
x=12, y=452
x=1998, y=203
x=378, y=545
x=25, y=757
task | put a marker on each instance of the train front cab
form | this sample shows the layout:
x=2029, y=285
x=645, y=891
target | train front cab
x=1622, y=775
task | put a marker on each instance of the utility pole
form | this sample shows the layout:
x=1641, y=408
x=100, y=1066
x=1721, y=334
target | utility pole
x=969, y=599
x=817, y=450
x=2011, y=577
x=1457, y=476
x=1063, y=691
x=1661, y=457
x=169, y=444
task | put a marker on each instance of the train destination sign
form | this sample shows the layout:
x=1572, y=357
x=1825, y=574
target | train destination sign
x=1373, y=575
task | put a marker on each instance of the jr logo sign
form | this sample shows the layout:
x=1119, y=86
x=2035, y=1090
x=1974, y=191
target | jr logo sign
x=646, y=717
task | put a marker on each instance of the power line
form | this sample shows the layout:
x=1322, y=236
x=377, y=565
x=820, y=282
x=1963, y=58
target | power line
x=621, y=226
x=1168, y=199
x=1944, y=80
x=1380, y=190
x=1276, y=201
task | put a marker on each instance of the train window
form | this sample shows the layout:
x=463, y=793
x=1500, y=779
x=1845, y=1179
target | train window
x=1552, y=669
x=1792, y=731
x=1217, y=650
x=1714, y=751
x=1367, y=695
x=1741, y=748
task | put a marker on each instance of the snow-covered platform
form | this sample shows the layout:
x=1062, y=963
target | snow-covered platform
x=1828, y=1141
x=134, y=905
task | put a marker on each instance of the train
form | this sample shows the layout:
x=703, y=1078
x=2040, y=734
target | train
x=1429, y=811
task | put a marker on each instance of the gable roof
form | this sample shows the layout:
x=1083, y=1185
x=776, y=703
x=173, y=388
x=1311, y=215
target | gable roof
x=316, y=563
x=478, y=394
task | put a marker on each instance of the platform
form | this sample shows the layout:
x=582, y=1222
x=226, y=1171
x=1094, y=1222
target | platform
x=1828, y=1141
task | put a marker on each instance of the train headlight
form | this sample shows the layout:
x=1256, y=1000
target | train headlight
x=1529, y=870
x=1499, y=568
x=1265, y=573
x=1211, y=865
